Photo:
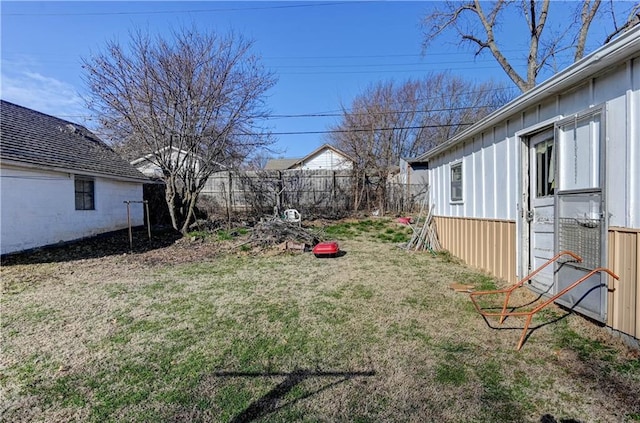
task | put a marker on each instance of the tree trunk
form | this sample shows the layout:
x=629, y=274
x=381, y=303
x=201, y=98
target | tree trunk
x=170, y=198
x=190, y=204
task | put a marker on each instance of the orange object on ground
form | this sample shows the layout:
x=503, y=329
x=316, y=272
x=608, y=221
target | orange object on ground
x=529, y=314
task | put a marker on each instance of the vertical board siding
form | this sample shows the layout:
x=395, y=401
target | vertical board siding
x=486, y=244
x=623, y=312
x=490, y=245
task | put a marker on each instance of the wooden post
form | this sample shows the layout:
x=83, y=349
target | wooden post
x=129, y=224
x=333, y=193
x=280, y=191
x=146, y=206
x=229, y=205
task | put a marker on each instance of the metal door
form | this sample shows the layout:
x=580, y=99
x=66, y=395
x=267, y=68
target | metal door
x=540, y=214
x=580, y=209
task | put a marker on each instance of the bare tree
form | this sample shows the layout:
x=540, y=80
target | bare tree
x=477, y=23
x=392, y=120
x=192, y=103
x=632, y=19
x=257, y=161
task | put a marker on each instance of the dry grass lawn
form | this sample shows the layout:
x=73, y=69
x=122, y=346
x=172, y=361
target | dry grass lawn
x=229, y=335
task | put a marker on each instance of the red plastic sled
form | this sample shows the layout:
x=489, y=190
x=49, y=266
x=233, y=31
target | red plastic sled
x=326, y=249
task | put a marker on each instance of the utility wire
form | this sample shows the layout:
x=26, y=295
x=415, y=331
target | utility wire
x=161, y=12
x=342, y=131
x=393, y=128
x=338, y=113
x=389, y=112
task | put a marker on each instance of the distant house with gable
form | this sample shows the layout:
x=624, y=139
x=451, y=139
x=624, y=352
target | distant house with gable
x=149, y=165
x=59, y=182
x=325, y=157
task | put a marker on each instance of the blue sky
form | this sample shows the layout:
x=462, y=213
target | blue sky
x=323, y=52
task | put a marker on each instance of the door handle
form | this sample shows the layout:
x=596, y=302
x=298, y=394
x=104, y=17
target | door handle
x=529, y=216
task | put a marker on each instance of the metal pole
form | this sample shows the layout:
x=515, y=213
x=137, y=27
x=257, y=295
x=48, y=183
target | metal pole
x=129, y=225
x=146, y=205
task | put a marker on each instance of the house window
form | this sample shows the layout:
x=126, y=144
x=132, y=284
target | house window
x=85, y=192
x=545, y=169
x=456, y=182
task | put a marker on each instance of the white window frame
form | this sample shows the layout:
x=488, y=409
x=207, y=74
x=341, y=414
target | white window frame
x=457, y=199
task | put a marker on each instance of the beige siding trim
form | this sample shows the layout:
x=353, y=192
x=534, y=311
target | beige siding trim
x=623, y=312
x=486, y=244
x=490, y=245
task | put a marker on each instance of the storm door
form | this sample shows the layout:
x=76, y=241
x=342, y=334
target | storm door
x=581, y=225
x=540, y=213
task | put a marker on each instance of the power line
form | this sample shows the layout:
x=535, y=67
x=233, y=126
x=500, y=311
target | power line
x=339, y=113
x=393, y=128
x=389, y=112
x=342, y=131
x=160, y=12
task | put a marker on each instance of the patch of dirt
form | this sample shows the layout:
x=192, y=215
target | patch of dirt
x=167, y=247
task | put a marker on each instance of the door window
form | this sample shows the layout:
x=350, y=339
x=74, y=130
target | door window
x=545, y=169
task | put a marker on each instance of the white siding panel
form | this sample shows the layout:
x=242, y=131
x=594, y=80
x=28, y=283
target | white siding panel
x=530, y=117
x=38, y=208
x=327, y=159
x=502, y=172
x=513, y=149
x=488, y=206
x=475, y=183
x=633, y=137
x=575, y=100
x=613, y=85
x=548, y=109
x=619, y=162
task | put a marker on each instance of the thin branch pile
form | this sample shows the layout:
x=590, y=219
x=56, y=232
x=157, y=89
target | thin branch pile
x=289, y=236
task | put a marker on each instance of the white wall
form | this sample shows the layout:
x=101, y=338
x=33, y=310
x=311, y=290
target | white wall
x=37, y=208
x=491, y=175
x=622, y=121
x=327, y=159
x=489, y=178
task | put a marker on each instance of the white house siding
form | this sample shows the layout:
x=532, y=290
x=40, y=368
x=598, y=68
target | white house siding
x=38, y=208
x=327, y=159
x=149, y=169
x=489, y=178
x=490, y=160
x=623, y=143
x=493, y=174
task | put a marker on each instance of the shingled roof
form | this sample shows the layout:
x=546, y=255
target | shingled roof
x=280, y=164
x=34, y=138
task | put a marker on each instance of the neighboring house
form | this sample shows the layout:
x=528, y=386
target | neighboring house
x=148, y=165
x=558, y=168
x=326, y=157
x=59, y=182
x=413, y=172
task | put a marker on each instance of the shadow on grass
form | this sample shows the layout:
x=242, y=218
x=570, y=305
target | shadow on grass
x=531, y=329
x=548, y=418
x=567, y=312
x=340, y=253
x=272, y=400
x=109, y=244
x=525, y=308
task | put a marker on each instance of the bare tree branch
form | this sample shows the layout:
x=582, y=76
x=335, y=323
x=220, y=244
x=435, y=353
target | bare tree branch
x=191, y=102
x=587, y=15
x=416, y=115
x=478, y=24
x=632, y=20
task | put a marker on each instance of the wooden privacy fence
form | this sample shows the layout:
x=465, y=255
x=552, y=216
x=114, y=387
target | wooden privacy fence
x=312, y=192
